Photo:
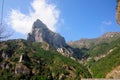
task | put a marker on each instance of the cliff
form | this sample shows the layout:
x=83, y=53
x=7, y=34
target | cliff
x=40, y=33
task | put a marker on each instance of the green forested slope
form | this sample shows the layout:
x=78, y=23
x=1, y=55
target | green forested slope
x=101, y=58
x=103, y=66
x=37, y=63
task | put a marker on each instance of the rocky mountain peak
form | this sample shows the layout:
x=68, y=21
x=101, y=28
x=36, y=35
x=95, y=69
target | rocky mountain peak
x=39, y=24
x=40, y=33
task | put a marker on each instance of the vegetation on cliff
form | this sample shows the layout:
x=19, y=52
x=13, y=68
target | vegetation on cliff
x=37, y=63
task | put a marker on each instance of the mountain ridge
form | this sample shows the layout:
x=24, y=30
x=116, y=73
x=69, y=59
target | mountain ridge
x=106, y=37
x=102, y=58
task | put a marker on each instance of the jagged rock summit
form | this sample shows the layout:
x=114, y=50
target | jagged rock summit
x=40, y=33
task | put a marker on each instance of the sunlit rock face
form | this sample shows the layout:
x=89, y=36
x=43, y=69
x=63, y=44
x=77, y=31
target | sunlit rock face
x=118, y=12
x=40, y=33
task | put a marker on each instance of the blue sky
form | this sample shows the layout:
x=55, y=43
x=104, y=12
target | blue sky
x=73, y=19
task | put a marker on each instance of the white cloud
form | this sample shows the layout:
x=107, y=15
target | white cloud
x=107, y=22
x=47, y=13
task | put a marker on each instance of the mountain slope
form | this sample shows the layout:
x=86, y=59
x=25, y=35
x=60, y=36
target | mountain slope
x=115, y=73
x=103, y=56
x=106, y=64
x=20, y=59
x=95, y=47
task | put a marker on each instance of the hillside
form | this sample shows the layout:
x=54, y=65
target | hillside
x=108, y=62
x=94, y=47
x=103, y=56
x=21, y=59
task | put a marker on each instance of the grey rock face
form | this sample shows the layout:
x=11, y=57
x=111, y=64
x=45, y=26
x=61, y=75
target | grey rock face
x=40, y=33
x=21, y=69
x=5, y=55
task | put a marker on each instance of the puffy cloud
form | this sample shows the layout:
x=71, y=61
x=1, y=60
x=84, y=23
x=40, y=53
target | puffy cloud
x=47, y=13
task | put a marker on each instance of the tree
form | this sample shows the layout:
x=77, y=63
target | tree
x=117, y=0
x=118, y=12
x=4, y=33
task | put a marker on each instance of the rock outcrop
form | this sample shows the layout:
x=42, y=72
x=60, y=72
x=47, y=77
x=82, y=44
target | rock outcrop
x=110, y=35
x=40, y=33
x=115, y=73
x=21, y=69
